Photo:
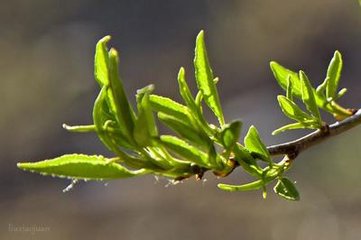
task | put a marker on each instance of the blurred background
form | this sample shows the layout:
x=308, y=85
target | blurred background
x=46, y=74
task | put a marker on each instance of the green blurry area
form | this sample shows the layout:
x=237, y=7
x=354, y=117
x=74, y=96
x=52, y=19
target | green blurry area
x=46, y=67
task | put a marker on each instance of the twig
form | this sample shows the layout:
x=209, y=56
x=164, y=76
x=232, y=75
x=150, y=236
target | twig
x=293, y=148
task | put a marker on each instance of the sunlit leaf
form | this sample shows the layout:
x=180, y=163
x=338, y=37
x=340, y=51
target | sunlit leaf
x=308, y=96
x=144, y=128
x=282, y=75
x=297, y=125
x=80, y=166
x=117, y=98
x=246, y=161
x=245, y=187
x=184, y=130
x=230, y=134
x=289, y=93
x=291, y=110
x=334, y=74
x=204, y=78
x=169, y=107
x=185, y=150
x=254, y=144
x=101, y=62
x=185, y=91
x=101, y=116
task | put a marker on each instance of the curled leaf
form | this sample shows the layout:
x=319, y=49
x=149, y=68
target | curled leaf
x=101, y=62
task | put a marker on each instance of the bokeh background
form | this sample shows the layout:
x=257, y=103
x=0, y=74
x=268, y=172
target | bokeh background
x=46, y=67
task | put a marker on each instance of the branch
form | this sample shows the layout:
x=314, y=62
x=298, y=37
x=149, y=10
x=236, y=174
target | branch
x=293, y=148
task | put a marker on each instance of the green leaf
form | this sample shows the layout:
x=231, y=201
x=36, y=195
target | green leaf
x=187, y=132
x=204, y=78
x=80, y=166
x=170, y=107
x=286, y=189
x=341, y=93
x=246, y=161
x=334, y=74
x=103, y=115
x=117, y=98
x=291, y=110
x=80, y=128
x=185, y=150
x=282, y=75
x=255, y=145
x=308, y=96
x=321, y=89
x=185, y=92
x=101, y=62
x=145, y=128
x=230, y=134
x=289, y=93
x=245, y=187
x=297, y=125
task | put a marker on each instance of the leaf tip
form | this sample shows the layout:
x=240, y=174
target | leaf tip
x=23, y=165
x=201, y=34
x=113, y=53
x=337, y=54
x=104, y=40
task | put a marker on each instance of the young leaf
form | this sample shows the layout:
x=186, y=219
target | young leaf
x=117, y=98
x=101, y=62
x=298, y=125
x=255, y=145
x=308, y=96
x=80, y=128
x=246, y=161
x=80, y=166
x=101, y=115
x=321, y=89
x=282, y=74
x=185, y=92
x=185, y=150
x=341, y=93
x=291, y=110
x=144, y=128
x=187, y=132
x=204, y=78
x=230, y=134
x=289, y=93
x=286, y=189
x=334, y=74
x=170, y=107
x=245, y=187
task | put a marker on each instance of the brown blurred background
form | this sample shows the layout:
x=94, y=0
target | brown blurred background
x=46, y=67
